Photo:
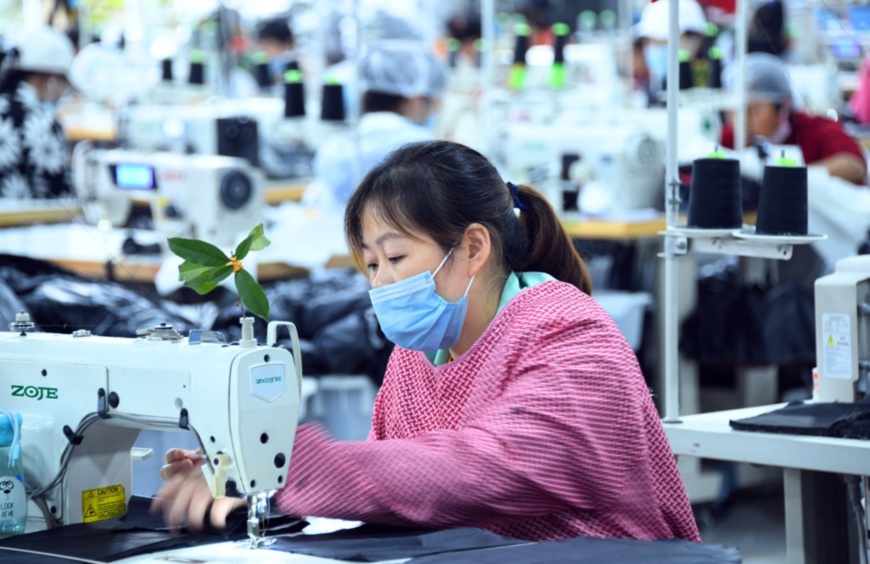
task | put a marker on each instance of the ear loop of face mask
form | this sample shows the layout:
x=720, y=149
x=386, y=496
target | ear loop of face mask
x=443, y=261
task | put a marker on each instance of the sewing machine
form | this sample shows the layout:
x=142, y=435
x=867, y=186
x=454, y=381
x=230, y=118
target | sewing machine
x=203, y=196
x=843, y=331
x=84, y=399
x=204, y=129
x=253, y=128
x=626, y=160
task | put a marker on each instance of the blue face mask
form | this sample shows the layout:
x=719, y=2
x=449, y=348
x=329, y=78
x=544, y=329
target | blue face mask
x=415, y=317
x=656, y=57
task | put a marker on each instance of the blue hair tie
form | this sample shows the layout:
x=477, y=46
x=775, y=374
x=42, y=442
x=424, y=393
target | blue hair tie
x=515, y=191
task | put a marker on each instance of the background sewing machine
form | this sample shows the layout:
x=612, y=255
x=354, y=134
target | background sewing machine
x=203, y=196
x=84, y=400
x=205, y=129
x=843, y=331
x=621, y=155
x=252, y=128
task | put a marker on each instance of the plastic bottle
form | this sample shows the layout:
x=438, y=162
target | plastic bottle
x=13, y=498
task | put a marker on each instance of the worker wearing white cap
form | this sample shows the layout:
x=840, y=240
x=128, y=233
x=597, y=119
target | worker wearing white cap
x=33, y=156
x=771, y=116
x=652, y=29
x=402, y=82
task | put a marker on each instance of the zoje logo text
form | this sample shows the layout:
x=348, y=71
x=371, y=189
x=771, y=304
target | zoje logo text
x=33, y=392
x=268, y=380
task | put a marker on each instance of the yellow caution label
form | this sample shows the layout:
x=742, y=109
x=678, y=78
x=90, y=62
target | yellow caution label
x=103, y=503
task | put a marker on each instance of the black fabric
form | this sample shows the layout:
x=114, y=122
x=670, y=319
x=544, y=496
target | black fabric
x=843, y=420
x=11, y=557
x=139, y=532
x=596, y=551
x=735, y=323
x=371, y=543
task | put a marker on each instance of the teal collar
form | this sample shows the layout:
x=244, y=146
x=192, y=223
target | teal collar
x=516, y=282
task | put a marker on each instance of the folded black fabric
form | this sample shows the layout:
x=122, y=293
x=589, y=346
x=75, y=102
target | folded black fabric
x=836, y=419
x=138, y=532
x=590, y=550
x=370, y=543
x=12, y=557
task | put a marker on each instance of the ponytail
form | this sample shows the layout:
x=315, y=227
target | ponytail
x=550, y=248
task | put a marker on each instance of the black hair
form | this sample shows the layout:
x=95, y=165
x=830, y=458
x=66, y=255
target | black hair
x=465, y=27
x=374, y=101
x=440, y=188
x=10, y=80
x=276, y=29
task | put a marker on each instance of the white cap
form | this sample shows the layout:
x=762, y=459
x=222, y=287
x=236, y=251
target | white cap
x=402, y=68
x=45, y=50
x=767, y=78
x=655, y=16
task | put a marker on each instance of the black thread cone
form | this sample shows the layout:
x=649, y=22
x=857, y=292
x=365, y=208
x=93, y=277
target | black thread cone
x=715, y=73
x=782, y=204
x=715, y=200
x=294, y=100
x=197, y=74
x=687, y=78
x=264, y=77
x=520, y=48
x=166, y=70
x=332, y=108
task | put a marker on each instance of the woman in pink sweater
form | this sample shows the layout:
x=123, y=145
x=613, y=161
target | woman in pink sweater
x=511, y=402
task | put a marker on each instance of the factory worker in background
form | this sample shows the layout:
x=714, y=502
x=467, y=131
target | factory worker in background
x=652, y=30
x=402, y=82
x=275, y=37
x=34, y=162
x=511, y=401
x=771, y=115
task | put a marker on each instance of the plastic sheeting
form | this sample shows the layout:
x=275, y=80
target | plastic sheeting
x=332, y=312
x=61, y=302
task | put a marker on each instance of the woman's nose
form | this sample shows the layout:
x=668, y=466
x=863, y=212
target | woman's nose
x=381, y=278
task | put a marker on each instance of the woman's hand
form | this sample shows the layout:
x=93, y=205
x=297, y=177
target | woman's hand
x=186, y=500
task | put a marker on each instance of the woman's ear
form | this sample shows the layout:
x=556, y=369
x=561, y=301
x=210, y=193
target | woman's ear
x=479, y=247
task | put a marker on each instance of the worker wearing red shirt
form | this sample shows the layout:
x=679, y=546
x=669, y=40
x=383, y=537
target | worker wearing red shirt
x=770, y=114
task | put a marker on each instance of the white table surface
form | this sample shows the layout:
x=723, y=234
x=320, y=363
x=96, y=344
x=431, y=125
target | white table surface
x=709, y=435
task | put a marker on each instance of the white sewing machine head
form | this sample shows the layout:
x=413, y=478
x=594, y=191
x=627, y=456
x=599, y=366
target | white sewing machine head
x=843, y=331
x=84, y=399
x=202, y=196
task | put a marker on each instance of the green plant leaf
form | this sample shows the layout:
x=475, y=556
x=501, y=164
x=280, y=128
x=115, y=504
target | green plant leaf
x=198, y=252
x=189, y=270
x=255, y=241
x=243, y=248
x=206, y=282
x=259, y=241
x=205, y=288
x=252, y=295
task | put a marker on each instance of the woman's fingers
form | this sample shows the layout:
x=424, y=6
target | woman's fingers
x=166, y=495
x=179, y=461
x=199, y=503
x=175, y=513
x=221, y=509
x=185, y=499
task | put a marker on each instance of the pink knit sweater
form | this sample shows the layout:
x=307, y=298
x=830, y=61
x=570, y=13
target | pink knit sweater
x=543, y=430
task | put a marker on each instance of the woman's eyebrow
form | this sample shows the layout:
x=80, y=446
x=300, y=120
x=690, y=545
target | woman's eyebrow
x=385, y=237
